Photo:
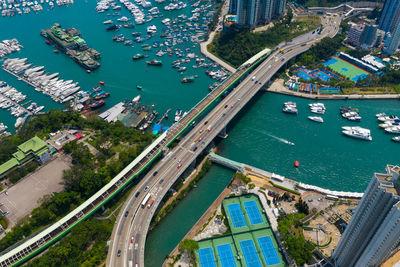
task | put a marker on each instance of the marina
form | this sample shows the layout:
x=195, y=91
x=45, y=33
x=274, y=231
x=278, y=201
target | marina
x=11, y=8
x=47, y=83
x=9, y=46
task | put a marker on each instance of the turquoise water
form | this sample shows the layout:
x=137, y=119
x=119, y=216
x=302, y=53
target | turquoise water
x=327, y=158
x=161, y=85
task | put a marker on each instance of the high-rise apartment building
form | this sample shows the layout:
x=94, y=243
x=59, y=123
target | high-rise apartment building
x=374, y=229
x=394, y=41
x=355, y=32
x=254, y=12
x=390, y=15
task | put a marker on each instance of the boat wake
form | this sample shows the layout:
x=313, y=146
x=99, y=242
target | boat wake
x=281, y=140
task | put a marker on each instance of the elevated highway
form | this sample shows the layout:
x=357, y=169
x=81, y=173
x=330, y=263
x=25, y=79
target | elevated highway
x=129, y=234
x=35, y=244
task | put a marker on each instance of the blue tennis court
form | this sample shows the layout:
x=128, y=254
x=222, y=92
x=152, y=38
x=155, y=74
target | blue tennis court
x=268, y=250
x=250, y=253
x=236, y=215
x=225, y=255
x=206, y=256
x=253, y=212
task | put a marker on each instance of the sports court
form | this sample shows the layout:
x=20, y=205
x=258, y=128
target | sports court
x=206, y=256
x=268, y=250
x=253, y=212
x=250, y=253
x=346, y=69
x=226, y=255
x=251, y=241
x=236, y=215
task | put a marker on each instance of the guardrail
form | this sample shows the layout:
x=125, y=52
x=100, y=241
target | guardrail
x=52, y=234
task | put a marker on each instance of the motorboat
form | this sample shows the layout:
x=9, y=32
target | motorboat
x=316, y=105
x=359, y=133
x=316, y=119
x=108, y=22
x=380, y=114
x=393, y=129
x=396, y=139
x=389, y=124
x=290, y=107
x=386, y=118
x=317, y=110
x=354, y=128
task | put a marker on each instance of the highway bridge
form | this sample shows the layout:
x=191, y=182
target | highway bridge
x=129, y=235
x=20, y=253
x=165, y=173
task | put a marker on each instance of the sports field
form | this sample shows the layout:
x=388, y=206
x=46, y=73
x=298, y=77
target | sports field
x=251, y=243
x=346, y=69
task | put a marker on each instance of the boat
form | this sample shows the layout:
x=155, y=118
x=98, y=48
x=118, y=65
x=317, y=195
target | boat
x=138, y=56
x=296, y=164
x=178, y=115
x=97, y=104
x=154, y=62
x=113, y=27
x=135, y=34
x=136, y=99
x=139, y=87
x=108, y=22
x=389, y=124
x=19, y=122
x=393, y=129
x=380, y=114
x=189, y=79
x=316, y=118
x=396, y=139
x=357, y=132
x=387, y=118
x=290, y=110
x=317, y=110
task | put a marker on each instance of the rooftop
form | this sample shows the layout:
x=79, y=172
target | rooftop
x=34, y=144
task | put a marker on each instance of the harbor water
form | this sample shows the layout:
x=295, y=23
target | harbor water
x=256, y=137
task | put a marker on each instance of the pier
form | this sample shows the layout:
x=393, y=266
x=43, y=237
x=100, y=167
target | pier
x=265, y=176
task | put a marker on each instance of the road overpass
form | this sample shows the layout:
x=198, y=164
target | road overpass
x=35, y=244
x=129, y=234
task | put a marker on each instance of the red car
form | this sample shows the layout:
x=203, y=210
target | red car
x=179, y=165
x=200, y=139
x=209, y=129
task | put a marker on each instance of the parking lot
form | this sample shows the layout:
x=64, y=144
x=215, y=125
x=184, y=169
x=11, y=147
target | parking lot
x=20, y=199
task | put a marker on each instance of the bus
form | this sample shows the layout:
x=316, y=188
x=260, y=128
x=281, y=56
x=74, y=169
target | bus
x=331, y=197
x=146, y=198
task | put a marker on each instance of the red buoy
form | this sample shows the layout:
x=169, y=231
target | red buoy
x=296, y=164
x=101, y=82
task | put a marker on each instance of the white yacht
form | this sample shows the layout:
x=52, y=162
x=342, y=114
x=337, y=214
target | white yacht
x=389, y=124
x=386, y=118
x=108, y=22
x=316, y=119
x=317, y=110
x=393, y=129
x=359, y=133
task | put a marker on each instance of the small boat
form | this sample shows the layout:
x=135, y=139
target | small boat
x=396, y=139
x=296, y=164
x=393, y=129
x=189, y=79
x=113, y=27
x=97, y=104
x=387, y=118
x=101, y=82
x=290, y=110
x=136, y=99
x=139, y=87
x=154, y=62
x=138, y=56
x=108, y=22
x=316, y=118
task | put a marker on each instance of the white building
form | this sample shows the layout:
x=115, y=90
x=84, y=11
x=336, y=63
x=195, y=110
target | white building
x=374, y=229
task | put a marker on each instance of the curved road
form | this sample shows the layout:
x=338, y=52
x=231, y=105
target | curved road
x=130, y=231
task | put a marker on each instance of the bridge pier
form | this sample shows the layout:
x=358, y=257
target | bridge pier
x=223, y=134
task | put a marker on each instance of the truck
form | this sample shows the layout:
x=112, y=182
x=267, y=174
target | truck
x=145, y=199
x=150, y=204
